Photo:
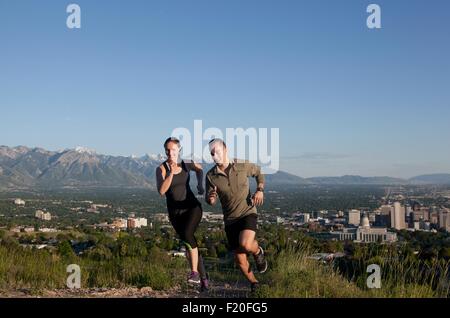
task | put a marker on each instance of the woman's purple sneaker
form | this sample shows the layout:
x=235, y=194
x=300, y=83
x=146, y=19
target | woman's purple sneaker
x=204, y=286
x=194, y=278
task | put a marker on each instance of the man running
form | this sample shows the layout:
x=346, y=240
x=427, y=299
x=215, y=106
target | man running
x=229, y=181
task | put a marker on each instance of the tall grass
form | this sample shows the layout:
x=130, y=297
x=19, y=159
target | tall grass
x=293, y=274
x=25, y=268
x=22, y=268
x=404, y=275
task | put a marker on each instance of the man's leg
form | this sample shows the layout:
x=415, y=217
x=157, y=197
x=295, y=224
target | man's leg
x=244, y=265
x=248, y=244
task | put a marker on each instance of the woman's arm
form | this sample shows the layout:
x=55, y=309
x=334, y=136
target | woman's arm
x=199, y=173
x=163, y=183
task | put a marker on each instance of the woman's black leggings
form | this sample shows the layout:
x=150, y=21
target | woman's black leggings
x=185, y=222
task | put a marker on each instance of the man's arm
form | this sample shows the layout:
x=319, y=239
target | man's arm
x=211, y=192
x=254, y=170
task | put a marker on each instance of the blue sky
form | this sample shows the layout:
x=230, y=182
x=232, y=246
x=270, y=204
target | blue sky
x=347, y=100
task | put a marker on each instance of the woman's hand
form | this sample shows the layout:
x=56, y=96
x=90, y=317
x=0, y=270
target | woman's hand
x=172, y=166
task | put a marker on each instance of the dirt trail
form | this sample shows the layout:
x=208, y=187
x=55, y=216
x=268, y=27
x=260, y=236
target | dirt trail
x=216, y=290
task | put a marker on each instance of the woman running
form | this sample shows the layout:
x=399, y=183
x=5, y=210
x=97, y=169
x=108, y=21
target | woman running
x=185, y=211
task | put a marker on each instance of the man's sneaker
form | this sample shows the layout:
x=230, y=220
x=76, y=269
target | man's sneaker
x=204, y=285
x=194, y=278
x=261, y=262
x=254, y=287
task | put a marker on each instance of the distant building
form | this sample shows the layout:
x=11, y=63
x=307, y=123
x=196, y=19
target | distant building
x=136, y=223
x=425, y=225
x=16, y=229
x=337, y=227
x=213, y=217
x=333, y=214
x=131, y=223
x=19, y=202
x=339, y=220
x=142, y=222
x=364, y=233
x=45, y=216
x=96, y=206
x=398, y=216
x=161, y=217
x=354, y=217
x=408, y=209
x=304, y=217
x=421, y=213
x=120, y=224
x=48, y=230
x=382, y=220
x=434, y=218
x=444, y=220
x=385, y=210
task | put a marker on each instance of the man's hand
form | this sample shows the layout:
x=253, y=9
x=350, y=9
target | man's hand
x=258, y=198
x=212, y=197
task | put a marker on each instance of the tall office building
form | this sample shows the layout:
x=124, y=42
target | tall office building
x=354, y=217
x=444, y=220
x=398, y=216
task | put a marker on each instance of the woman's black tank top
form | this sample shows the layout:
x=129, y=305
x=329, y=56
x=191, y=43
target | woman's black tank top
x=180, y=196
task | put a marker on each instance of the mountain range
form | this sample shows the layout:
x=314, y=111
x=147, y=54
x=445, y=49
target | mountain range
x=24, y=168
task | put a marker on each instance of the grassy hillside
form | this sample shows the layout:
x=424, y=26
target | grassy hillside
x=130, y=262
x=293, y=274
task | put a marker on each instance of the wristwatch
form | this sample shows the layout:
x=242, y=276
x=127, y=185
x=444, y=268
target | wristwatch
x=260, y=189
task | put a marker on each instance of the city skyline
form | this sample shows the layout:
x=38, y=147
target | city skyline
x=161, y=156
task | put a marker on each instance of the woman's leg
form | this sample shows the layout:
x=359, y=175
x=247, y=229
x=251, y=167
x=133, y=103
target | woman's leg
x=191, y=222
x=192, y=257
x=200, y=265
